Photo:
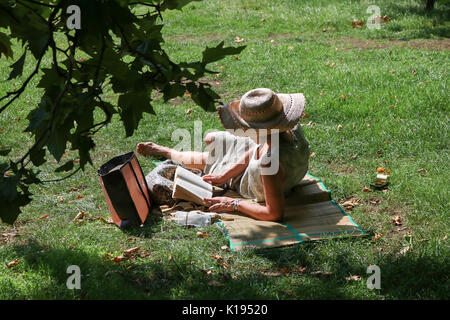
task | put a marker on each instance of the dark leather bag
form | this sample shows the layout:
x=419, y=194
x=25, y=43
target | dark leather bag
x=125, y=189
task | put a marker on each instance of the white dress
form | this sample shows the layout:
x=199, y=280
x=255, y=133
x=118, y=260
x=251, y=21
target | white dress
x=226, y=149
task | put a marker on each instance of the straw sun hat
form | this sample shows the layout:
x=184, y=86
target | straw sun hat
x=263, y=109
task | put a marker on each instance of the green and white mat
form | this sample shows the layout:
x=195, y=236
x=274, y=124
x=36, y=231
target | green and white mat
x=310, y=214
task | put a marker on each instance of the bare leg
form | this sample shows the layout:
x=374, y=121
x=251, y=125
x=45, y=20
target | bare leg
x=190, y=159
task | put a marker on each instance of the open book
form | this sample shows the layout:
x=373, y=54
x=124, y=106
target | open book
x=191, y=187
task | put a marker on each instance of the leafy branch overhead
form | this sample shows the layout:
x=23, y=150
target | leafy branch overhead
x=115, y=49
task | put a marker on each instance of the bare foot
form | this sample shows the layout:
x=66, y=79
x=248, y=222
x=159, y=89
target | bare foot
x=152, y=149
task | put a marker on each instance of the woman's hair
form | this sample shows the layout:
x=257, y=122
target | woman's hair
x=286, y=136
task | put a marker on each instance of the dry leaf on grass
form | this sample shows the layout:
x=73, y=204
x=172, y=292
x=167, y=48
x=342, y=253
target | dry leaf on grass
x=215, y=283
x=270, y=273
x=350, y=204
x=6, y=237
x=357, y=24
x=132, y=251
x=81, y=215
x=45, y=216
x=354, y=278
x=12, y=263
x=120, y=258
x=216, y=256
x=422, y=171
x=237, y=39
x=397, y=220
x=321, y=273
x=201, y=234
x=107, y=221
x=405, y=250
x=379, y=20
x=365, y=189
x=285, y=271
x=377, y=236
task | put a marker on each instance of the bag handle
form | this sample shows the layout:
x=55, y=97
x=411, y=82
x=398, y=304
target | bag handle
x=140, y=188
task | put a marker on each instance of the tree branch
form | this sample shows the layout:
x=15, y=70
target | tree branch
x=41, y=4
x=18, y=92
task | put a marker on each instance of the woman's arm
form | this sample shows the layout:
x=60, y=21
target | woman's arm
x=271, y=211
x=233, y=171
x=273, y=193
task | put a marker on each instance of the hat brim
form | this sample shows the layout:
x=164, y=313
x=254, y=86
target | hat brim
x=293, y=107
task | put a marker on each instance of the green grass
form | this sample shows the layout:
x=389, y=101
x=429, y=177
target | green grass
x=390, y=118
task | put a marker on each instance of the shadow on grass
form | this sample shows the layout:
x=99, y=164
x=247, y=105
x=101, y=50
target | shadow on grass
x=408, y=276
x=440, y=16
x=140, y=278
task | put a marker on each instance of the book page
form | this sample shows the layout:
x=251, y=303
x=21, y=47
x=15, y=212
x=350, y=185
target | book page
x=192, y=178
x=187, y=191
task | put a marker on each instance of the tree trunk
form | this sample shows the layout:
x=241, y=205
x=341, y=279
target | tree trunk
x=429, y=4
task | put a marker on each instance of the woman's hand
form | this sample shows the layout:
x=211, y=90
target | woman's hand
x=215, y=179
x=220, y=204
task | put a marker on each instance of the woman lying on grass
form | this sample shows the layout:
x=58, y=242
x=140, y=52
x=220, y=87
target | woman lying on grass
x=261, y=156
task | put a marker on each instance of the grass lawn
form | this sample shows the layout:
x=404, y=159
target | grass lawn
x=388, y=92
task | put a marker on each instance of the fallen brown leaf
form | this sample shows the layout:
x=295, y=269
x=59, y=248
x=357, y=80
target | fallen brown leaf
x=357, y=24
x=201, y=234
x=355, y=278
x=270, y=273
x=120, y=258
x=397, y=220
x=80, y=216
x=215, y=283
x=130, y=252
x=405, y=250
x=377, y=236
x=301, y=269
x=285, y=271
x=108, y=221
x=12, y=263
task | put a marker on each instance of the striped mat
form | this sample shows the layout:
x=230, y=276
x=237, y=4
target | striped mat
x=310, y=214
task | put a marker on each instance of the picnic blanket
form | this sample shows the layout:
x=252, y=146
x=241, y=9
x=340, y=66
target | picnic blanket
x=310, y=214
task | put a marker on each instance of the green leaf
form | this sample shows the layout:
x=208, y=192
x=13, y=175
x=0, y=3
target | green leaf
x=10, y=210
x=133, y=105
x=57, y=144
x=17, y=67
x=4, y=152
x=37, y=157
x=219, y=52
x=8, y=187
x=204, y=97
x=5, y=46
x=66, y=166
